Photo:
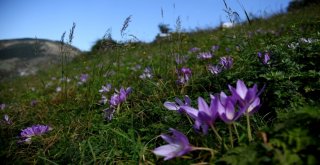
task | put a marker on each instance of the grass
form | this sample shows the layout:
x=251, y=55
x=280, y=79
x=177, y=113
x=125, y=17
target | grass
x=284, y=129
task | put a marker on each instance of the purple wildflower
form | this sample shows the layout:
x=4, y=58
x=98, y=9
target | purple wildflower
x=147, y=73
x=215, y=69
x=214, y=48
x=175, y=106
x=205, y=55
x=265, y=58
x=108, y=113
x=184, y=75
x=194, y=49
x=120, y=96
x=34, y=130
x=105, y=89
x=178, y=145
x=226, y=109
x=226, y=62
x=205, y=116
x=248, y=98
x=7, y=119
x=83, y=78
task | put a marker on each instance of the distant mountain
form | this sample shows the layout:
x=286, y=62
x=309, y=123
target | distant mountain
x=26, y=56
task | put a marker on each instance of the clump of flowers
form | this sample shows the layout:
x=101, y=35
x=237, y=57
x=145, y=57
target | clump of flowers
x=116, y=99
x=205, y=55
x=243, y=101
x=35, y=130
x=184, y=75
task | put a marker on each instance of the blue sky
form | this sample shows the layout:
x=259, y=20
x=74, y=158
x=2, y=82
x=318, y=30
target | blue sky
x=48, y=19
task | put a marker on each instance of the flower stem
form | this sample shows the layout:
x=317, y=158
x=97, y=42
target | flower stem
x=236, y=130
x=249, y=128
x=216, y=133
x=230, y=135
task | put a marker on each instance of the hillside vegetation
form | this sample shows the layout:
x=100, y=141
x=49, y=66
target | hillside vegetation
x=111, y=105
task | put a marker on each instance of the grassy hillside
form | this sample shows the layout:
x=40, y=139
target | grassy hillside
x=91, y=124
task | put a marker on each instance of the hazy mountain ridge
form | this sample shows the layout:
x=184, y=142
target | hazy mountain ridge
x=25, y=56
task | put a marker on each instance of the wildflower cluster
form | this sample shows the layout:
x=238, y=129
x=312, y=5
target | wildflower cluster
x=242, y=101
x=35, y=130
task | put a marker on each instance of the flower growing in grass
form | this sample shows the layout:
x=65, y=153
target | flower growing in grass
x=105, y=88
x=33, y=103
x=108, y=113
x=184, y=75
x=120, y=96
x=226, y=62
x=205, y=55
x=194, y=50
x=147, y=73
x=246, y=97
x=58, y=89
x=83, y=78
x=215, y=69
x=175, y=106
x=265, y=58
x=103, y=100
x=214, y=48
x=7, y=119
x=205, y=116
x=227, y=109
x=178, y=145
x=35, y=130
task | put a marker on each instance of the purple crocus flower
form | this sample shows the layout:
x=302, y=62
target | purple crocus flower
x=205, y=116
x=215, y=69
x=265, y=58
x=7, y=119
x=105, y=88
x=178, y=145
x=83, y=78
x=226, y=109
x=120, y=96
x=214, y=48
x=205, y=55
x=175, y=106
x=34, y=130
x=194, y=49
x=184, y=75
x=108, y=113
x=226, y=62
x=147, y=73
x=248, y=98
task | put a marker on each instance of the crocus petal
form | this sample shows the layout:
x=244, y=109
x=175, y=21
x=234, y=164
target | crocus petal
x=230, y=113
x=193, y=113
x=253, y=106
x=203, y=106
x=187, y=100
x=171, y=106
x=166, y=151
x=241, y=89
